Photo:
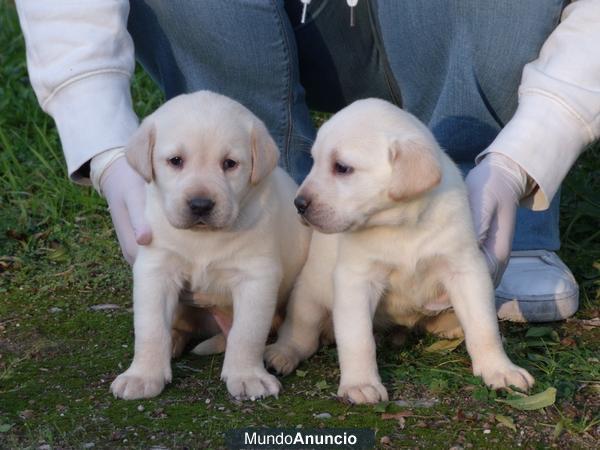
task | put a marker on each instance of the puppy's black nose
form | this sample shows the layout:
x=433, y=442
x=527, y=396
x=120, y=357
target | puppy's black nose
x=302, y=204
x=201, y=205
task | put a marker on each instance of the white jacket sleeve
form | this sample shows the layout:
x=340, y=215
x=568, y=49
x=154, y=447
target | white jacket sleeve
x=559, y=104
x=80, y=59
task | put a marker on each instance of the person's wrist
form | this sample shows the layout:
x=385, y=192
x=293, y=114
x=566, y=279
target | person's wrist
x=99, y=165
x=520, y=182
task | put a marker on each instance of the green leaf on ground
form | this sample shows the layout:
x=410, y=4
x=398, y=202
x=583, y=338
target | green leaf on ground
x=481, y=394
x=558, y=429
x=381, y=407
x=300, y=373
x=322, y=385
x=532, y=402
x=539, y=332
x=5, y=427
x=58, y=255
x=506, y=421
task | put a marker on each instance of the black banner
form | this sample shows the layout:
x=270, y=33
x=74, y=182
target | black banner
x=295, y=438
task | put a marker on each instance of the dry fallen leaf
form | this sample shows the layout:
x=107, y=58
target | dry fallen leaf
x=568, y=342
x=396, y=416
x=26, y=414
x=445, y=345
x=587, y=324
x=591, y=323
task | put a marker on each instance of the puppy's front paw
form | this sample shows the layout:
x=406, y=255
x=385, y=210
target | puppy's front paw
x=252, y=385
x=505, y=374
x=368, y=392
x=134, y=383
x=283, y=359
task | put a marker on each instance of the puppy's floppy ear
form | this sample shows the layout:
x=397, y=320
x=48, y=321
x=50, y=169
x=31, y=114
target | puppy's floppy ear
x=139, y=150
x=415, y=169
x=265, y=153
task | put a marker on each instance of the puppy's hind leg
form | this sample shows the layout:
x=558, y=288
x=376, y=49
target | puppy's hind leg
x=183, y=330
x=445, y=325
x=211, y=346
x=298, y=337
x=472, y=296
x=191, y=323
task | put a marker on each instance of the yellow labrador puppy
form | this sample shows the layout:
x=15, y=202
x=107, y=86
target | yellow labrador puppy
x=223, y=224
x=405, y=250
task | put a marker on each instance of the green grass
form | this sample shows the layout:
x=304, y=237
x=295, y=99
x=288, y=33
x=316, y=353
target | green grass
x=58, y=257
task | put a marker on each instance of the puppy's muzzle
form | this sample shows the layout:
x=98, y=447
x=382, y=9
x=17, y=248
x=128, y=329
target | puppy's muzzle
x=301, y=203
x=200, y=207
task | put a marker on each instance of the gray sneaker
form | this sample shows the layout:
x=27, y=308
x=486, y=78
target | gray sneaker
x=536, y=287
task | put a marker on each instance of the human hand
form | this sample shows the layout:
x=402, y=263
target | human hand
x=496, y=186
x=125, y=192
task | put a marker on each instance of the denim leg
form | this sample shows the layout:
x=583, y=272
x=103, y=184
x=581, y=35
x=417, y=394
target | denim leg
x=458, y=64
x=244, y=49
x=339, y=63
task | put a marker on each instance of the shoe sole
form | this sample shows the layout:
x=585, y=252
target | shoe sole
x=541, y=309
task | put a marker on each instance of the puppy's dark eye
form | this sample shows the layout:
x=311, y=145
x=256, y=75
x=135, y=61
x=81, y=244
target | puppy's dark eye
x=229, y=164
x=176, y=161
x=341, y=169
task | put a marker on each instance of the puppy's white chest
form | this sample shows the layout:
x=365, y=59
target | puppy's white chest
x=415, y=292
x=211, y=286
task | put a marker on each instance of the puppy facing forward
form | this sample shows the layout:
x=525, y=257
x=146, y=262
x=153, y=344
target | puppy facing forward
x=403, y=252
x=223, y=224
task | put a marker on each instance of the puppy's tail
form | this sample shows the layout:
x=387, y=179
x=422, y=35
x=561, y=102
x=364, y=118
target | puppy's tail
x=211, y=346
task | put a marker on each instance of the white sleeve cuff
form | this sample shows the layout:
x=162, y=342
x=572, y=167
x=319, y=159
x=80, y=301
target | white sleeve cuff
x=100, y=163
x=93, y=114
x=544, y=138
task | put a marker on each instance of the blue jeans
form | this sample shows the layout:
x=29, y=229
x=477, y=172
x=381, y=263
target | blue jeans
x=455, y=64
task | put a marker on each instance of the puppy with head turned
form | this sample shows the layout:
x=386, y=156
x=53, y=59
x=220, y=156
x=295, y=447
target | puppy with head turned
x=394, y=245
x=224, y=226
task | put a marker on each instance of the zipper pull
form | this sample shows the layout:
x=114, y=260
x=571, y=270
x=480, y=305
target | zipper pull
x=352, y=5
x=305, y=4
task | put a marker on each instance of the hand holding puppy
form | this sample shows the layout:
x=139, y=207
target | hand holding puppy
x=496, y=186
x=125, y=193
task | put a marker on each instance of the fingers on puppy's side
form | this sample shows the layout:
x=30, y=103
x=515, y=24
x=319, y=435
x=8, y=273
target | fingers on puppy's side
x=144, y=237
